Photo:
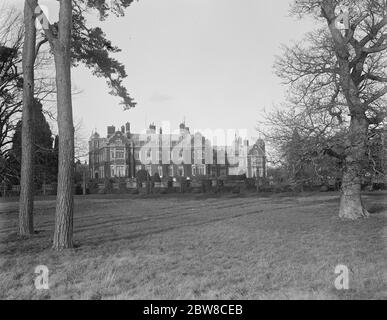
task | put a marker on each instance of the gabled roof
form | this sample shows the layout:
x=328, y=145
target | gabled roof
x=256, y=149
x=118, y=136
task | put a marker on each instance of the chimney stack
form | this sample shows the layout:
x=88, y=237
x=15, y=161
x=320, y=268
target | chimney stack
x=182, y=128
x=111, y=130
x=152, y=129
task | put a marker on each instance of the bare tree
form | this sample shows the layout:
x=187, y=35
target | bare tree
x=11, y=83
x=80, y=141
x=11, y=38
x=339, y=73
x=305, y=142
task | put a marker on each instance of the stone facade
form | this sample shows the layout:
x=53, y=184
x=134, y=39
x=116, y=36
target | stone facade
x=122, y=154
x=248, y=159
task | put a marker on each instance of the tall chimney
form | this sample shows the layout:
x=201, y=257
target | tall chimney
x=111, y=130
x=152, y=129
x=182, y=128
x=127, y=127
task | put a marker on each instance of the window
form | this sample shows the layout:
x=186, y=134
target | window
x=181, y=171
x=199, y=170
x=112, y=154
x=121, y=171
x=120, y=155
x=198, y=156
x=118, y=171
x=170, y=169
x=138, y=167
x=160, y=170
x=149, y=169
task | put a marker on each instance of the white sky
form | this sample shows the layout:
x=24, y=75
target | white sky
x=209, y=61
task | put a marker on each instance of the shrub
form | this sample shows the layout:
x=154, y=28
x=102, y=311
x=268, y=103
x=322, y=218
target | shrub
x=206, y=185
x=142, y=176
x=93, y=186
x=236, y=190
x=379, y=186
x=156, y=178
x=250, y=183
x=78, y=189
x=108, y=186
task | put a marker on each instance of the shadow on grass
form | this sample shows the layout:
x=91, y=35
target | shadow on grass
x=377, y=208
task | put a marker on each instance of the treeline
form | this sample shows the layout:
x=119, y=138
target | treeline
x=306, y=161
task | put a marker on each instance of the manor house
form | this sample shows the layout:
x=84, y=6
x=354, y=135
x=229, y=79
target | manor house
x=123, y=153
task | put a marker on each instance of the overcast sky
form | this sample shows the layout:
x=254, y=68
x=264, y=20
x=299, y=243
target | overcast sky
x=209, y=61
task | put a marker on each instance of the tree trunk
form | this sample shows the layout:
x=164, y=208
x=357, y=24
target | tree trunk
x=63, y=235
x=351, y=206
x=26, y=200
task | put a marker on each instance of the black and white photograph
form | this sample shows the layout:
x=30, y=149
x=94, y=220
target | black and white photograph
x=193, y=157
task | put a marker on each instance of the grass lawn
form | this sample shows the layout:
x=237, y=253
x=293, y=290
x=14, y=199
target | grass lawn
x=198, y=247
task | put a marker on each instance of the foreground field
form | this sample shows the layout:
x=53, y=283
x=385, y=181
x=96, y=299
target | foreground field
x=196, y=247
